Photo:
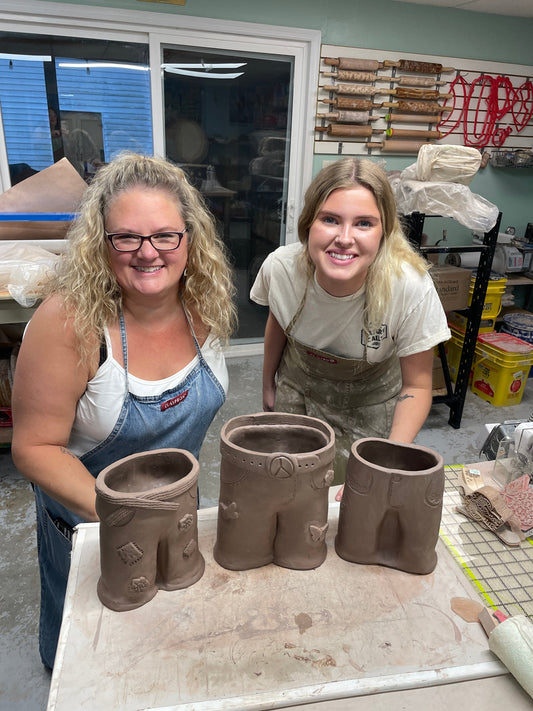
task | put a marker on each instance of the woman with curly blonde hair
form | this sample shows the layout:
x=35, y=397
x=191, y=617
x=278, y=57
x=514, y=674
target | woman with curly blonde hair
x=124, y=355
x=354, y=316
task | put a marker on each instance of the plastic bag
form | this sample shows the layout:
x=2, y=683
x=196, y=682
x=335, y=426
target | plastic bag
x=445, y=199
x=24, y=269
x=444, y=164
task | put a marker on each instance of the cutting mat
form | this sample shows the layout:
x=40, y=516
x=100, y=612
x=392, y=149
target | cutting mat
x=264, y=638
x=501, y=575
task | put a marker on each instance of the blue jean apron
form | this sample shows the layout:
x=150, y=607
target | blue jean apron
x=179, y=418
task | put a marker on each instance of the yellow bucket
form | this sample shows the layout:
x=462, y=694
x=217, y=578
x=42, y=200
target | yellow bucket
x=501, y=369
x=453, y=349
x=493, y=299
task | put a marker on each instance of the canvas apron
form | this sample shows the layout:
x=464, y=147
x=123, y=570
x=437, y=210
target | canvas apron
x=355, y=397
x=179, y=418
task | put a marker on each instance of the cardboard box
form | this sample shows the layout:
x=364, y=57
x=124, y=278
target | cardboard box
x=453, y=286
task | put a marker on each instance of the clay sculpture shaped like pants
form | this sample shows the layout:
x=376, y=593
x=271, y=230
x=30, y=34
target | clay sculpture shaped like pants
x=275, y=473
x=391, y=506
x=148, y=527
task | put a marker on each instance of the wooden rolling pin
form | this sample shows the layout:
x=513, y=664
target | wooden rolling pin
x=416, y=107
x=335, y=129
x=348, y=116
x=412, y=65
x=346, y=75
x=407, y=80
x=412, y=118
x=365, y=65
x=398, y=146
x=408, y=133
x=401, y=93
x=345, y=102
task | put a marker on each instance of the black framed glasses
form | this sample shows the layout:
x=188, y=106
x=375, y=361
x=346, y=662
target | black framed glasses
x=131, y=242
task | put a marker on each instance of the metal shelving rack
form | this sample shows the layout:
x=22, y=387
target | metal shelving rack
x=455, y=394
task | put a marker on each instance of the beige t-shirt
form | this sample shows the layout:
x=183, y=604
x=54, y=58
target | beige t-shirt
x=414, y=322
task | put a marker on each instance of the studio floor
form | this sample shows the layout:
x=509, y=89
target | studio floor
x=24, y=683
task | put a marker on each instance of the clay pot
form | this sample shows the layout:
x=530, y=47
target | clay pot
x=275, y=472
x=391, y=506
x=148, y=527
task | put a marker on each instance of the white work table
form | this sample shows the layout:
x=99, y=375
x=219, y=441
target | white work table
x=336, y=637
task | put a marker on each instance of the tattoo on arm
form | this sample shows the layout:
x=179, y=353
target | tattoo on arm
x=67, y=451
x=404, y=397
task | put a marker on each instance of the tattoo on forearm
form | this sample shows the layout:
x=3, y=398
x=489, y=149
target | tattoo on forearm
x=67, y=451
x=404, y=397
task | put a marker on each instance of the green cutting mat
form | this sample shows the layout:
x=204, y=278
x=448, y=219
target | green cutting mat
x=502, y=576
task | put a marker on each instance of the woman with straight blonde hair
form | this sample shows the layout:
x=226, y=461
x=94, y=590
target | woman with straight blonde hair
x=123, y=356
x=354, y=316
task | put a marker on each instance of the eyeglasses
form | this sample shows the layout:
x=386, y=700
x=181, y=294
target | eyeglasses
x=130, y=242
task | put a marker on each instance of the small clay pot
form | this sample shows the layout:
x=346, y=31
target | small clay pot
x=275, y=472
x=391, y=506
x=148, y=527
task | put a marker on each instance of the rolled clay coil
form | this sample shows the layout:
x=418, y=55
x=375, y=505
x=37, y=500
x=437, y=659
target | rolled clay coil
x=362, y=89
x=417, y=107
x=345, y=75
x=365, y=65
x=398, y=146
x=344, y=130
x=408, y=133
x=406, y=80
x=345, y=102
x=412, y=118
x=349, y=116
x=411, y=65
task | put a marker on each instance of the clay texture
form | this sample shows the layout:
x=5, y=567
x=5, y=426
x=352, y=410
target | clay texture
x=391, y=506
x=148, y=527
x=275, y=472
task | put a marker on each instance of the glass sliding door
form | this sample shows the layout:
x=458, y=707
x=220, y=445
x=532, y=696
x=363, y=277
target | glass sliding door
x=227, y=118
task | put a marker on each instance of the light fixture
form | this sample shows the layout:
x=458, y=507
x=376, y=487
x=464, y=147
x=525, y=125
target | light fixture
x=26, y=57
x=103, y=65
x=204, y=69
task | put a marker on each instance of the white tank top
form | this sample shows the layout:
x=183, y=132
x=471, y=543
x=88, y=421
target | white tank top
x=99, y=407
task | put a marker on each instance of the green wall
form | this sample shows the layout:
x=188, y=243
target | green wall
x=394, y=26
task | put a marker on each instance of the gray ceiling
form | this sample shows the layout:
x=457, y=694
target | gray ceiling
x=511, y=8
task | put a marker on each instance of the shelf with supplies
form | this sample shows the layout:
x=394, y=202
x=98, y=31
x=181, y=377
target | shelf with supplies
x=455, y=394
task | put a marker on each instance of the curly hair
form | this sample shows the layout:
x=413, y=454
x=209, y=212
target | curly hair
x=394, y=249
x=86, y=280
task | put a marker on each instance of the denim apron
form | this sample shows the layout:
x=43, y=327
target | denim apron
x=178, y=418
x=355, y=397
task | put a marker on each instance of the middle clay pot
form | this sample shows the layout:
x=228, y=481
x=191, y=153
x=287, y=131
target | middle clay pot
x=275, y=473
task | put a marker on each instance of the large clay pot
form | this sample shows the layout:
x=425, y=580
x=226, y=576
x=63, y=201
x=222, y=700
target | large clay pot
x=275, y=472
x=148, y=527
x=391, y=505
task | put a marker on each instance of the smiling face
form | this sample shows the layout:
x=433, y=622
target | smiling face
x=344, y=240
x=147, y=273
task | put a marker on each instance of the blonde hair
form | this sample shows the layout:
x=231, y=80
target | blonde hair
x=86, y=280
x=394, y=249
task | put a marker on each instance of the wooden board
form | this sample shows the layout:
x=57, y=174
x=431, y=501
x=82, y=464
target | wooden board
x=264, y=638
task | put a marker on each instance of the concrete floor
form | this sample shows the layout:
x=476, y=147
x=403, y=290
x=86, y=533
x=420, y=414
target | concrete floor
x=24, y=683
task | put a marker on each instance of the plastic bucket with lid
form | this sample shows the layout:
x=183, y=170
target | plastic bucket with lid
x=519, y=325
x=502, y=368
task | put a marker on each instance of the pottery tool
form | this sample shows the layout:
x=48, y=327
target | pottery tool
x=406, y=80
x=408, y=133
x=347, y=75
x=512, y=642
x=474, y=611
x=411, y=65
x=365, y=65
x=412, y=118
x=348, y=116
x=335, y=129
x=401, y=93
x=416, y=107
x=345, y=102
x=397, y=146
